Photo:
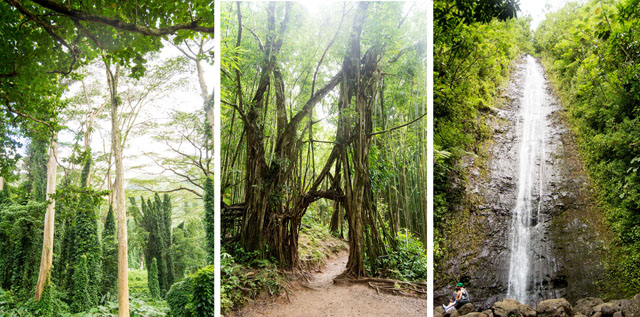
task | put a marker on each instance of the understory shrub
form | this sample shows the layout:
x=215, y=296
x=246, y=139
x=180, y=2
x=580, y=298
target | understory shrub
x=407, y=261
x=240, y=282
x=194, y=296
x=179, y=296
x=203, y=292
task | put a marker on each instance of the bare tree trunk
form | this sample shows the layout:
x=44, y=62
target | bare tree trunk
x=1, y=183
x=119, y=198
x=204, y=92
x=49, y=220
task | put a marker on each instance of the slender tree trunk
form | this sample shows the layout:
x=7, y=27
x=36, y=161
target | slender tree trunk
x=49, y=220
x=405, y=194
x=119, y=198
x=1, y=183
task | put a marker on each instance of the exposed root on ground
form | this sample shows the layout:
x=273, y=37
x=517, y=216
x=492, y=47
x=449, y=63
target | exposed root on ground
x=395, y=287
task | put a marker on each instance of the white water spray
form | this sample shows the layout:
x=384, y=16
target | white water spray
x=533, y=125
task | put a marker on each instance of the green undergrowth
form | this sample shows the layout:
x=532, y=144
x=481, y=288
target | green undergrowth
x=193, y=296
x=140, y=303
x=407, y=259
x=246, y=277
x=316, y=244
x=138, y=282
x=51, y=305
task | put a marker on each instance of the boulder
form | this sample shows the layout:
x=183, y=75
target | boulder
x=475, y=314
x=634, y=307
x=512, y=308
x=439, y=310
x=488, y=312
x=466, y=309
x=620, y=305
x=606, y=309
x=452, y=313
x=585, y=306
x=617, y=314
x=559, y=307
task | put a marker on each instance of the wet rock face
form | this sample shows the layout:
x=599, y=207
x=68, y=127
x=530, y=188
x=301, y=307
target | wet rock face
x=568, y=235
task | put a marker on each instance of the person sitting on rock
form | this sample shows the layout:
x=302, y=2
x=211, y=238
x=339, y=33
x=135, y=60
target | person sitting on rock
x=458, y=299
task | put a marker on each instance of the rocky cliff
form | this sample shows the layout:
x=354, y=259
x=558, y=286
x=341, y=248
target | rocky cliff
x=569, y=236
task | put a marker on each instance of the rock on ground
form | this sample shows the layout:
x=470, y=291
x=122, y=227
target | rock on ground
x=586, y=306
x=475, y=314
x=511, y=307
x=466, y=309
x=559, y=307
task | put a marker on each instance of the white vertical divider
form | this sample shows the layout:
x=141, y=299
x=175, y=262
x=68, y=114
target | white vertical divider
x=216, y=154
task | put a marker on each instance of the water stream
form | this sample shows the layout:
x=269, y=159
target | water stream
x=532, y=126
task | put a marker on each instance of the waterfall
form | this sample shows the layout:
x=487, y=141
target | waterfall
x=532, y=127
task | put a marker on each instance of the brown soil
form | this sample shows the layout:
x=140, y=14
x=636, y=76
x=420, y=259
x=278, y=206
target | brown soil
x=321, y=297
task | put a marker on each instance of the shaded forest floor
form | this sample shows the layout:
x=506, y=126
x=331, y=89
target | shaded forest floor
x=321, y=297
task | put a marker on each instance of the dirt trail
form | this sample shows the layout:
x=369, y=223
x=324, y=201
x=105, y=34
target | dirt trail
x=323, y=298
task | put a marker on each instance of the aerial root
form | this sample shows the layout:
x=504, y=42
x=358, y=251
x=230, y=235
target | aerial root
x=412, y=289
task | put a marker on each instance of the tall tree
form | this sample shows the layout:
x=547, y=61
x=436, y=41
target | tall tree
x=49, y=220
x=118, y=189
x=277, y=142
x=72, y=34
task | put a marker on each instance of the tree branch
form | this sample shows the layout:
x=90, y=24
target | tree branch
x=172, y=190
x=398, y=127
x=8, y=104
x=118, y=24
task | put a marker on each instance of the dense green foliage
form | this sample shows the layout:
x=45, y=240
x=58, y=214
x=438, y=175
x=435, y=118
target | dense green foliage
x=82, y=205
x=154, y=216
x=109, y=255
x=81, y=300
x=408, y=262
x=154, y=287
x=209, y=220
x=188, y=248
x=472, y=59
x=50, y=305
x=203, y=292
x=193, y=296
x=592, y=52
x=179, y=297
x=32, y=76
x=20, y=243
x=245, y=278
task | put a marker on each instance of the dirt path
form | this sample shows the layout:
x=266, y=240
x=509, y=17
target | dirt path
x=323, y=298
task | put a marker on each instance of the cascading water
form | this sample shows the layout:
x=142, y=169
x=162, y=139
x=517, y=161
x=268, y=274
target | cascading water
x=532, y=127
